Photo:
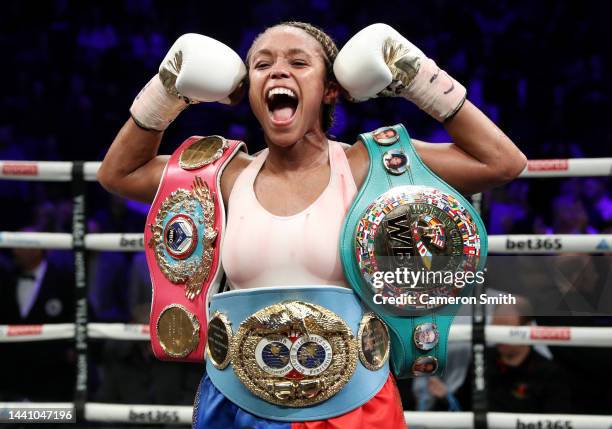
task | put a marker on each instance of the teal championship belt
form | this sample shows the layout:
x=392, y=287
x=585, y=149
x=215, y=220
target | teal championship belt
x=411, y=246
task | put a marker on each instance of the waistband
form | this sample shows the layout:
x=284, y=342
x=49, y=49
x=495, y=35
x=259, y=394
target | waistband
x=296, y=353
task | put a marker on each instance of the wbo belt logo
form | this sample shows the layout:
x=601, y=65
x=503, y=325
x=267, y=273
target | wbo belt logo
x=180, y=236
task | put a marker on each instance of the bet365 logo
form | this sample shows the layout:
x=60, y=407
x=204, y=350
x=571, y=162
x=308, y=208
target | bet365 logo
x=131, y=243
x=544, y=424
x=534, y=244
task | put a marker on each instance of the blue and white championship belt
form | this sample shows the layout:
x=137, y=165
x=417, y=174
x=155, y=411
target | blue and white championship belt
x=410, y=246
x=296, y=353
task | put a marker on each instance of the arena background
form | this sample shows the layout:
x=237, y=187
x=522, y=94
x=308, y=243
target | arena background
x=71, y=69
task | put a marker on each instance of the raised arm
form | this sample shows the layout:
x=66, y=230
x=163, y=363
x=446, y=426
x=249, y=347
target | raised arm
x=131, y=167
x=481, y=156
x=378, y=61
x=195, y=69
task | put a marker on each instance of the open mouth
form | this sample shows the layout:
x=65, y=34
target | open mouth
x=282, y=105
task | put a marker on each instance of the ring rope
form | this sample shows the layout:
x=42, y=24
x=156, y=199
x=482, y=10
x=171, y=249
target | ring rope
x=173, y=414
x=576, y=167
x=550, y=243
x=571, y=336
x=61, y=171
x=501, y=244
x=46, y=171
x=464, y=420
x=23, y=333
x=81, y=284
x=547, y=244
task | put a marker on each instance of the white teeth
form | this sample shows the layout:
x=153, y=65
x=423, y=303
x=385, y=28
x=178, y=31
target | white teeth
x=279, y=91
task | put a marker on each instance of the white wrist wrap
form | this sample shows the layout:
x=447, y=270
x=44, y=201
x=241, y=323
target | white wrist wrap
x=153, y=108
x=434, y=91
x=379, y=62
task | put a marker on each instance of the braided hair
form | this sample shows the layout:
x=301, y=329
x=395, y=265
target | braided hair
x=329, y=49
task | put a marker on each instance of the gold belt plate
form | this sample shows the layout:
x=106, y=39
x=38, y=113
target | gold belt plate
x=294, y=353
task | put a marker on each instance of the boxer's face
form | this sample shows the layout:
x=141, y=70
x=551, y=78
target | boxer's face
x=395, y=161
x=287, y=84
x=386, y=134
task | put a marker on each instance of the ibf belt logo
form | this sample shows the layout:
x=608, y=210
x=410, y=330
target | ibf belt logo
x=293, y=354
x=302, y=355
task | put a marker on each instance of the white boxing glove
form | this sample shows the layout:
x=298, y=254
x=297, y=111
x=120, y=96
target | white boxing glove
x=195, y=69
x=379, y=61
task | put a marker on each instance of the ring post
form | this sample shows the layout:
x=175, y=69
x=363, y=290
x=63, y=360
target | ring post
x=79, y=189
x=479, y=386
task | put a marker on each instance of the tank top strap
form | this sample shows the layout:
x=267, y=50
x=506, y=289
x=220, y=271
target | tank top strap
x=339, y=161
x=243, y=186
x=342, y=174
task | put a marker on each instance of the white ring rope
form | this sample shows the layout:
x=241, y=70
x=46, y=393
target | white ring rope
x=173, y=414
x=61, y=171
x=36, y=240
x=48, y=240
x=163, y=414
x=465, y=420
x=45, y=171
x=119, y=331
x=578, y=167
x=133, y=242
x=508, y=244
x=516, y=244
x=571, y=336
x=23, y=333
x=550, y=243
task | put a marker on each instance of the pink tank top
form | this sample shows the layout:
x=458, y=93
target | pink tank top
x=262, y=249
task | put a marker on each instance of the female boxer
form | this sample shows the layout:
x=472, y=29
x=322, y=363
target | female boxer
x=297, y=191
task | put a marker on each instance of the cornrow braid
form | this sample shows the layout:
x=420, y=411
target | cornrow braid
x=329, y=49
x=328, y=45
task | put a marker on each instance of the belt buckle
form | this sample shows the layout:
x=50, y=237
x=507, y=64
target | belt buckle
x=294, y=353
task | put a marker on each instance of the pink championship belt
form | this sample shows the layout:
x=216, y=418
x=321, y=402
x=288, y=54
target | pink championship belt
x=183, y=235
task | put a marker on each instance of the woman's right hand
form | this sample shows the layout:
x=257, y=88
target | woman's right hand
x=196, y=69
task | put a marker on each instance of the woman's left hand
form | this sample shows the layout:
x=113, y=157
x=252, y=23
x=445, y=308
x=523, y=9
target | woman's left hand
x=379, y=61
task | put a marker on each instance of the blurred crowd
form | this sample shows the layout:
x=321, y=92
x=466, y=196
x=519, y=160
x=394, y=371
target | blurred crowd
x=536, y=68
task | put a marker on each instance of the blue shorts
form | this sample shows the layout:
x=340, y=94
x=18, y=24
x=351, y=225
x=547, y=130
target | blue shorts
x=212, y=410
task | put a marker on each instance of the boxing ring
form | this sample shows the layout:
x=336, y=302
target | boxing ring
x=78, y=173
